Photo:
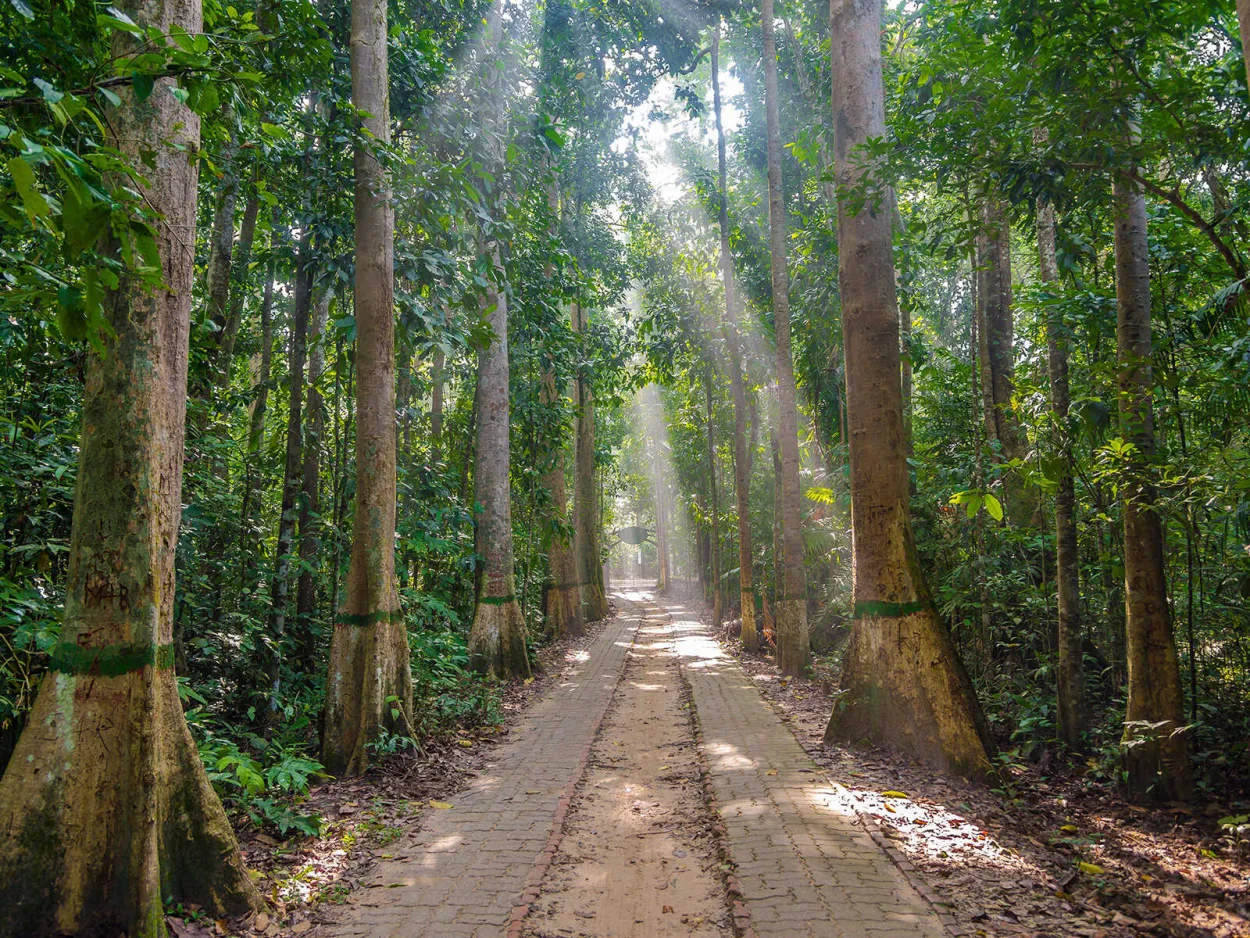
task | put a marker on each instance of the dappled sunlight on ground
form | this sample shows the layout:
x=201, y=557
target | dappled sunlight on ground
x=1046, y=860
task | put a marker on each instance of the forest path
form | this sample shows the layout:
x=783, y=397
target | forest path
x=590, y=821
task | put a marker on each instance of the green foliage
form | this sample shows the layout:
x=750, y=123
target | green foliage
x=264, y=779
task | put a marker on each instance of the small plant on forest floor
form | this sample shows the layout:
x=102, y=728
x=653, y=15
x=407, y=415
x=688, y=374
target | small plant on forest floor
x=266, y=780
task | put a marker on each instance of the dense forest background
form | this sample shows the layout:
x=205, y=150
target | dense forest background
x=597, y=173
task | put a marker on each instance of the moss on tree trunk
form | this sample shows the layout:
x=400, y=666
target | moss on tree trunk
x=369, y=685
x=106, y=812
x=902, y=681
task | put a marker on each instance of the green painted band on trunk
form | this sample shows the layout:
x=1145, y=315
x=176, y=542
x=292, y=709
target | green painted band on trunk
x=496, y=600
x=109, y=660
x=362, y=619
x=881, y=609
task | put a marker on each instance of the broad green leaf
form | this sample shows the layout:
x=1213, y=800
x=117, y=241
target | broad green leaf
x=24, y=180
x=143, y=87
x=993, y=507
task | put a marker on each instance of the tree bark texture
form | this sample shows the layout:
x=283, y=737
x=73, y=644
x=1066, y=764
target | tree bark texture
x=252, y=480
x=497, y=636
x=562, y=601
x=1070, y=682
x=1156, y=752
x=714, y=498
x=293, y=465
x=105, y=810
x=586, y=493
x=239, y=283
x=997, y=349
x=737, y=383
x=903, y=683
x=220, y=251
x=793, y=644
x=310, y=483
x=369, y=685
x=562, y=596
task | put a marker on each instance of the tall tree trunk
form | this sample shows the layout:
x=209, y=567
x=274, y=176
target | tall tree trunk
x=742, y=457
x=310, y=484
x=369, y=685
x=903, y=683
x=562, y=596
x=280, y=588
x=252, y=479
x=714, y=499
x=1070, y=683
x=439, y=379
x=239, y=285
x=1156, y=752
x=562, y=601
x=221, y=248
x=1243, y=20
x=997, y=350
x=497, y=635
x=105, y=809
x=586, y=493
x=793, y=644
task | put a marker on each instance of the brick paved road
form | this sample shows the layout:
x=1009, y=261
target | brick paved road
x=805, y=866
x=467, y=868
x=806, y=869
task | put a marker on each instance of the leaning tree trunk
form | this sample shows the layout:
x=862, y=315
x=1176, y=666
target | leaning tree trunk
x=369, y=686
x=790, y=612
x=1070, y=683
x=497, y=636
x=903, y=683
x=742, y=457
x=586, y=493
x=1156, y=752
x=106, y=812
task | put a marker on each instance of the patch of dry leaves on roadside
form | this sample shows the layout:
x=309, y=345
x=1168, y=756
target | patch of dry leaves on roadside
x=1041, y=856
x=364, y=816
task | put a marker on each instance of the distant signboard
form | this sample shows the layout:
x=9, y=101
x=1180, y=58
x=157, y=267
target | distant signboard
x=634, y=535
